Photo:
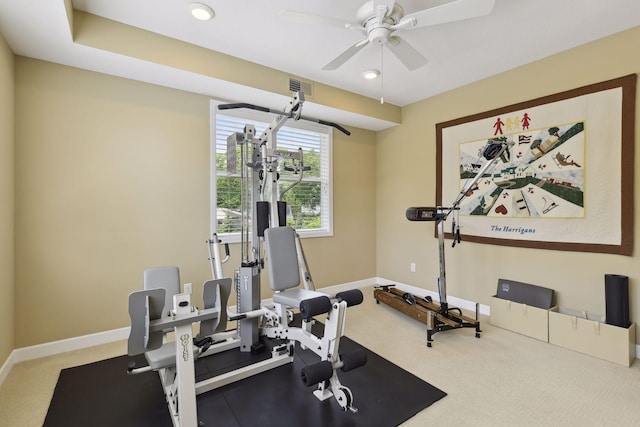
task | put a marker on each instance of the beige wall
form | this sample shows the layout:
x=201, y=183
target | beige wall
x=406, y=177
x=7, y=105
x=112, y=176
x=104, y=34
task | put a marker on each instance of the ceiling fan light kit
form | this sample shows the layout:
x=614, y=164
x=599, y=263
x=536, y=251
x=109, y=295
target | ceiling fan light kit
x=370, y=74
x=201, y=11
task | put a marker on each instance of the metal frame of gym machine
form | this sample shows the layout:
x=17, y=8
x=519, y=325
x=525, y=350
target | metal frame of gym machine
x=442, y=317
x=261, y=160
x=262, y=157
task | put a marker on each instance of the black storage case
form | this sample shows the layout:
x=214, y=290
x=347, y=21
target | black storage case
x=616, y=290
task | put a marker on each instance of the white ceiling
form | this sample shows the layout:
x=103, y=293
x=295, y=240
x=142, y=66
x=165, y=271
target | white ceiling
x=515, y=33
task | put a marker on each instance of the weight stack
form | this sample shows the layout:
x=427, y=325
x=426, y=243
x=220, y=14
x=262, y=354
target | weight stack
x=616, y=290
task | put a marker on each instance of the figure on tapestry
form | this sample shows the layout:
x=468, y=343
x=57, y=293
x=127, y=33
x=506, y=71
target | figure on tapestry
x=543, y=177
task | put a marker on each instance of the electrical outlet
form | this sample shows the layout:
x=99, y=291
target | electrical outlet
x=412, y=267
x=188, y=287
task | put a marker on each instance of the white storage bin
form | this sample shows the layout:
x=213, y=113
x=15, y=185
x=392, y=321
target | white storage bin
x=593, y=337
x=521, y=318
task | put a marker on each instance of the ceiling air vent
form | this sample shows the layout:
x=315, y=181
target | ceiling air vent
x=296, y=85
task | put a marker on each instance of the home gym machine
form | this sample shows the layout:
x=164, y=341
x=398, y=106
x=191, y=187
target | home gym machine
x=265, y=241
x=442, y=317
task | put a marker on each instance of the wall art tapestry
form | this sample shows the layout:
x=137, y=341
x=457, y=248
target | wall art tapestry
x=567, y=183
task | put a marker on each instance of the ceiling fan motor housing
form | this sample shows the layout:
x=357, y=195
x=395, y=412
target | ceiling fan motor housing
x=378, y=30
x=368, y=10
x=379, y=35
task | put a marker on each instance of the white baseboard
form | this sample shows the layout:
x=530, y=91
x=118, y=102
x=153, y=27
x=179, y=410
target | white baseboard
x=453, y=301
x=358, y=284
x=70, y=344
x=6, y=368
x=56, y=347
x=458, y=302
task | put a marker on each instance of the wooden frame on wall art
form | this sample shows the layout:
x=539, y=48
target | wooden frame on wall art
x=568, y=182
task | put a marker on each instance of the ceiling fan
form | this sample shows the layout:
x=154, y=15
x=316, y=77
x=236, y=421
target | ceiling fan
x=379, y=20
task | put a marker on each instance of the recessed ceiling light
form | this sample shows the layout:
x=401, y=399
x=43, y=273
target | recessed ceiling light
x=371, y=74
x=201, y=11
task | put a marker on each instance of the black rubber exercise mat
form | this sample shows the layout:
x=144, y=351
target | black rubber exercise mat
x=102, y=394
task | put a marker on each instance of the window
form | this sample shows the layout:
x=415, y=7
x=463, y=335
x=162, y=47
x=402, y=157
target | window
x=309, y=203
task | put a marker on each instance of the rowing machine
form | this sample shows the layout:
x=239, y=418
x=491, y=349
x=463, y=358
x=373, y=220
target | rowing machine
x=442, y=317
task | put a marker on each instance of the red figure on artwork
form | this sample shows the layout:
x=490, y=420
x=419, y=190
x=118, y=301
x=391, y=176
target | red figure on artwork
x=525, y=121
x=498, y=125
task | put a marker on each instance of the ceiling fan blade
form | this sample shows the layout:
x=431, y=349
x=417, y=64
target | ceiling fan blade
x=381, y=11
x=407, y=54
x=383, y=8
x=310, y=18
x=388, y=3
x=449, y=12
x=346, y=55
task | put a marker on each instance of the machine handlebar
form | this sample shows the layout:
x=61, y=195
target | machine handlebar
x=335, y=125
x=243, y=105
x=268, y=110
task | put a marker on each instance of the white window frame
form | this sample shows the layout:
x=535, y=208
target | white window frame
x=327, y=229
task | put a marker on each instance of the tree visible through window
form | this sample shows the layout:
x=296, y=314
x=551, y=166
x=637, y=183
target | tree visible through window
x=308, y=203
